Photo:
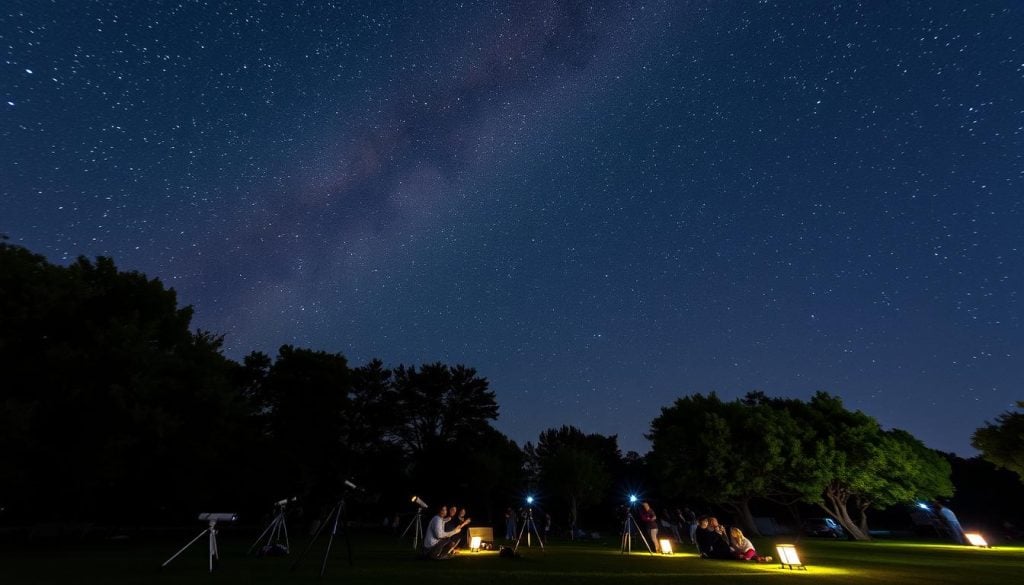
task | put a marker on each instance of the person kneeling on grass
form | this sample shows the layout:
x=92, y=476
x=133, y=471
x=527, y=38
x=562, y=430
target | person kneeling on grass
x=439, y=543
x=742, y=549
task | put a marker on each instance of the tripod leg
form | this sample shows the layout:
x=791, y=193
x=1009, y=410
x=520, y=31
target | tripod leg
x=519, y=539
x=213, y=547
x=536, y=532
x=284, y=528
x=265, y=531
x=316, y=535
x=642, y=537
x=418, y=533
x=330, y=540
x=191, y=542
x=339, y=510
x=407, y=527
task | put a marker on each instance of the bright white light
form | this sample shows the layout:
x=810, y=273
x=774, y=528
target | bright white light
x=666, y=546
x=474, y=544
x=632, y=499
x=529, y=499
x=923, y=506
x=976, y=539
x=788, y=556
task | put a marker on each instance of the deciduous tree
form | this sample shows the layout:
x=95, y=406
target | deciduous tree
x=1002, y=442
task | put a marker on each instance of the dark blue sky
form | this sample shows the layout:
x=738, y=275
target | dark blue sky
x=601, y=206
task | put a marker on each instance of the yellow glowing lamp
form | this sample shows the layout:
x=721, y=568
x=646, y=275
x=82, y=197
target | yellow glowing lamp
x=474, y=543
x=666, y=546
x=976, y=539
x=788, y=557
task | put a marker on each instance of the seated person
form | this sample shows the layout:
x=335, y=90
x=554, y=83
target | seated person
x=702, y=536
x=451, y=521
x=713, y=542
x=742, y=548
x=439, y=543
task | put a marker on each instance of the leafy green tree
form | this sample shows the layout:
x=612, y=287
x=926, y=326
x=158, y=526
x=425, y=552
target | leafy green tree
x=860, y=466
x=726, y=453
x=784, y=450
x=1002, y=443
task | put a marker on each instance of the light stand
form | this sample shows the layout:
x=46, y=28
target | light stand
x=211, y=529
x=416, y=524
x=627, y=533
x=336, y=513
x=277, y=528
x=528, y=526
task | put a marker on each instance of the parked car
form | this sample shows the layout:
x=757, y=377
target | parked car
x=823, y=527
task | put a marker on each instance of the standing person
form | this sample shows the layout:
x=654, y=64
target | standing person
x=547, y=526
x=439, y=543
x=510, y=524
x=649, y=520
x=691, y=518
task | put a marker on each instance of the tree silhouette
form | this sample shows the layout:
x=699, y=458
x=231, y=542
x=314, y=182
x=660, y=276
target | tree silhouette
x=111, y=401
x=1002, y=443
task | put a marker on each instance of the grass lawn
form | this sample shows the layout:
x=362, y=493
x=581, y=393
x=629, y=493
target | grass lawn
x=381, y=560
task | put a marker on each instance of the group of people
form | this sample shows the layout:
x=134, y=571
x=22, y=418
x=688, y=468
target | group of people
x=446, y=532
x=714, y=541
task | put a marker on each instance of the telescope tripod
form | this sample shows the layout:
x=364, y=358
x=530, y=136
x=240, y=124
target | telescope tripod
x=527, y=527
x=416, y=524
x=277, y=528
x=334, y=518
x=214, y=555
x=627, y=534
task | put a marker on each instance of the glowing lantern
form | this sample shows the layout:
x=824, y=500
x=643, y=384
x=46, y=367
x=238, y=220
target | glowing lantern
x=474, y=544
x=666, y=546
x=788, y=556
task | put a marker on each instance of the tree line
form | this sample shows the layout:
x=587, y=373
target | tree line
x=112, y=409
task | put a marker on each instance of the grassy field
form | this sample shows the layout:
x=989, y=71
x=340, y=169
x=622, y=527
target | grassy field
x=381, y=560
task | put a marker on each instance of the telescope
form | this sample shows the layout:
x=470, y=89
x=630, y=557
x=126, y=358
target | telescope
x=214, y=517
x=418, y=501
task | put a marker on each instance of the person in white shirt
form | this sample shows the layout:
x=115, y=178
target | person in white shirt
x=439, y=543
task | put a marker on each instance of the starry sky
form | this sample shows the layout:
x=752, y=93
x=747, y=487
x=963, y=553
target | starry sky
x=601, y=206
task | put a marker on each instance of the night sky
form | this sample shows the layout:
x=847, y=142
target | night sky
x=601, y=206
